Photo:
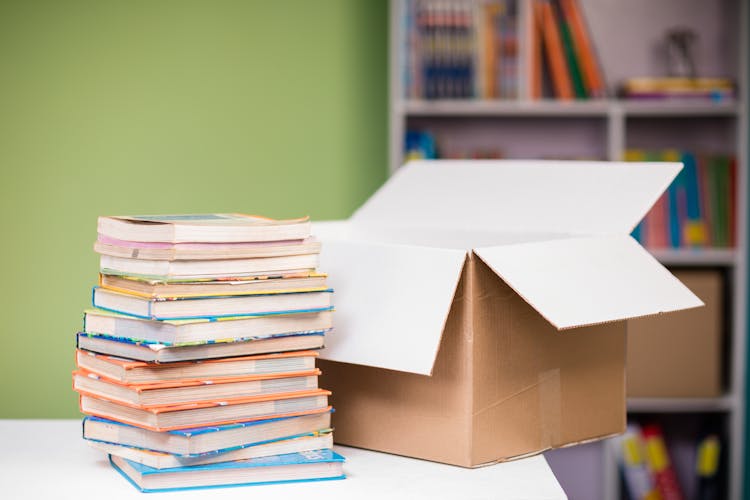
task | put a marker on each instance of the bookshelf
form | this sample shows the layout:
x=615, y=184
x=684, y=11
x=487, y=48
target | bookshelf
x=623, y=34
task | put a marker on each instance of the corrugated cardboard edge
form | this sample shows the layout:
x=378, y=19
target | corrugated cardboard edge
x=543, y=450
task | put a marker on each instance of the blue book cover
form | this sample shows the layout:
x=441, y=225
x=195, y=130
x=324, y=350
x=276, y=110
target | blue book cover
x=151, y=316
x=138, y=474
x=135, y=341
x=196, y=431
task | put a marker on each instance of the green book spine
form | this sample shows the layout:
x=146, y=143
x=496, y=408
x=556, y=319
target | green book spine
x=724, y=199
x=570, y=54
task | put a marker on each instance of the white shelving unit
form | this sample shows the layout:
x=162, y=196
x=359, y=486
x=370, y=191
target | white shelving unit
x=611, y=126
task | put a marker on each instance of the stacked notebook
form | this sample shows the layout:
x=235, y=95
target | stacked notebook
x=196, y=364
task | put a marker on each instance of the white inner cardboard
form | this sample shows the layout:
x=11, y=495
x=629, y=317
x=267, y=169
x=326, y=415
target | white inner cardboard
x=556, y=232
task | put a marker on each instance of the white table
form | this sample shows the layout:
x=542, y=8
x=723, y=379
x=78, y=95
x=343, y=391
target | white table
x=48, y=459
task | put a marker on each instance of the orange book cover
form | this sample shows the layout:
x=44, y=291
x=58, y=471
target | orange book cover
x=535, y=49
x=169, y=384
x=129, y=364
x=555, y=55
x=211, y=404
x=584, y=48
x=490, y=50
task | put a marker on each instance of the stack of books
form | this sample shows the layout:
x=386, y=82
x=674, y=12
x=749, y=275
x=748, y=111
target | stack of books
x=196, y=366
x=680, y=89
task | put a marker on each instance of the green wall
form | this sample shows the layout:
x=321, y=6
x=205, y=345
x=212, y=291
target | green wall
x=111, y=107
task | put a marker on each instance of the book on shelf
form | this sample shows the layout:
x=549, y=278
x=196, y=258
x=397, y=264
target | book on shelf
x=129, y=371
x=699, y=208
x=203, y=251
x=304, y=282
x=199, y=442
x=305, y=466
x=678, y=89
x=154, y=352
x=461, y=50
x=201, y=330
x=471, y=49
x=659, y=463
x=317, y=440
x=202, y=228
x=632, y=463
x=176, y=308
x=181, y=392
x=559, y=31
x=207, y=413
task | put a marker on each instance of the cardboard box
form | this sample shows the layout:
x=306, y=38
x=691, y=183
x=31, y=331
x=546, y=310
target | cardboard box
x=679, y=355
x=452, y=284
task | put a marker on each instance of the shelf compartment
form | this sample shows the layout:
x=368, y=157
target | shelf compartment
x=516, y=138
x=696, y=256
x=681, y=405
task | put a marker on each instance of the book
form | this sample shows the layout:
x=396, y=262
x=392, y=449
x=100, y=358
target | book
x=590, y=69
x=202, y=228
x=177, y=308
x=162, y=353
x=133, y=372
x=198, y=442
x=632, y=462
x=183, y=392
x=708, y=467
x=307, y=466
x=569, y=51
x=296, y=444
x=659, y=463
x=179, y=332
x=199, y=251
x=207, y=413
x=678, y=88
x=554, y=50
x=305, y=282
x=191, y=269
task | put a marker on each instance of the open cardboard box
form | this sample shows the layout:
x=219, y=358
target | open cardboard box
x=481, y=306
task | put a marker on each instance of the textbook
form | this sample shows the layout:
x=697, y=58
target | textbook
x=201, y=441
x=202, y=307
x=293, y=467
x=207, y=413
x=303, y=282
x=202, y=228
x=175, y=332
x=183, y=392
x=199, y=251
x=189, y=269
x=158, y=460
x=133, y=372
x=164, y=353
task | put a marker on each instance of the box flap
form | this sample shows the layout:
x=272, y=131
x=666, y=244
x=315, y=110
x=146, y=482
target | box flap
x=391, y=302
x=588, y=280
x=518, y=196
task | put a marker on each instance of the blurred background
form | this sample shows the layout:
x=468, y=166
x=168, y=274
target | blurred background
x=278, y=108
x=294, y=108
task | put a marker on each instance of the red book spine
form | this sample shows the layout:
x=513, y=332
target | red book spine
x=659, y=463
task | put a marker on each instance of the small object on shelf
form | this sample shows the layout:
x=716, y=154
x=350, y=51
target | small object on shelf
x=420, y=145
x=679, y=89
x=680, y=43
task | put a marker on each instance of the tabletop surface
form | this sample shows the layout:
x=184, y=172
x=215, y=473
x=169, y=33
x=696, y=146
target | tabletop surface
x=49, y=459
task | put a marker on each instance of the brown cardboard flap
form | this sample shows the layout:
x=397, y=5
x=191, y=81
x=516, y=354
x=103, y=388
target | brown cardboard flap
x=547, y=389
